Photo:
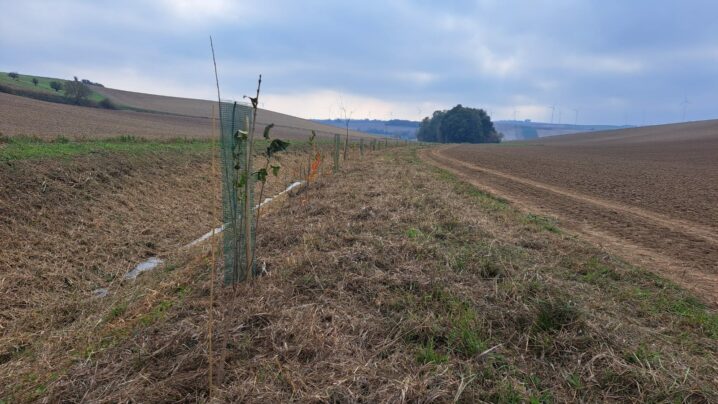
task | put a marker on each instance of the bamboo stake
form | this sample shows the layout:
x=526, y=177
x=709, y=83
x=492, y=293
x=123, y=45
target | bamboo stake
x=213, y=275
x=247, y=195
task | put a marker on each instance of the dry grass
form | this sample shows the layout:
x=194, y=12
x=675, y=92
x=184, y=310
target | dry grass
x=390, y=282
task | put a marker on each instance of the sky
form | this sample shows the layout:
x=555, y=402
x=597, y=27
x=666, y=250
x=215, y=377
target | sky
x=581, y=61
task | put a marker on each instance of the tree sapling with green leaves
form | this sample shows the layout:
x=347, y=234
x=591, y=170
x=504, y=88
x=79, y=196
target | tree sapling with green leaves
x=275, y=146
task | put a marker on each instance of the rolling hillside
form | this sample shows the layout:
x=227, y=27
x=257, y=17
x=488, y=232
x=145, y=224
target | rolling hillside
x=139, y=114
x=203, y=109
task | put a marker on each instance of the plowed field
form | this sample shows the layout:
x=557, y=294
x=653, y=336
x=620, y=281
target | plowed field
x=647, y=193
x=171, y=117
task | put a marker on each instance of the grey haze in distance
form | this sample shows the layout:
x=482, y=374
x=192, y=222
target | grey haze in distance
x=616, y=62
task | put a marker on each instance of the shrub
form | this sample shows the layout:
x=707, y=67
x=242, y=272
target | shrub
x=35, y=81
x=13, y=75
x=107, y=104
x=76, y=91
x=90, y=83
x=56, y=85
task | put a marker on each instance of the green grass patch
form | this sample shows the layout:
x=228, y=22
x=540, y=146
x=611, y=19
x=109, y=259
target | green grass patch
x=429, y=354
x=643, y=355
x=29, y=148
x=543, y=222
x=158, y=312
x=487, y=200
x=24, y=82
x=554, y=315
x=456, y=329
x=574, y=381
x=413, y=233
x=116, y=311
x=656, y=296
x=597, y=273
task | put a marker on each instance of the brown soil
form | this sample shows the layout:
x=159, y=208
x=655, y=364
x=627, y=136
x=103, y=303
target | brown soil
x=203, y=108
x=646, y=192
x=30, y=117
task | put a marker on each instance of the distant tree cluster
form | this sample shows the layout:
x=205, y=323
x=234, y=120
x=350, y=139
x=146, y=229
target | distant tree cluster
x=88, y=82
x=459, y=125
x=76, y=91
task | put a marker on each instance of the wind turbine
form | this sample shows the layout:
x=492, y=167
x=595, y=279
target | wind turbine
x=553, y=109
x=576, y=119
x=684, y=104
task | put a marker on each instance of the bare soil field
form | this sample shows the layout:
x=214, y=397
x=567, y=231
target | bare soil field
x=203, y=109
x=30, y=117
x=650, y=192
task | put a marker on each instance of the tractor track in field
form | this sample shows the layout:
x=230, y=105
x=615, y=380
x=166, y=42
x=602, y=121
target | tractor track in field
x=683, y=251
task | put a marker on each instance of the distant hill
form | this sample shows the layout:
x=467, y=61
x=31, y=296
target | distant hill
x=512, y=130
x=395, y=128
x=141, y=114
x=525, y=130
x=203, y=108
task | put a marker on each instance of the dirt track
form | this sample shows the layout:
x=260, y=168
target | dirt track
x=641, y=193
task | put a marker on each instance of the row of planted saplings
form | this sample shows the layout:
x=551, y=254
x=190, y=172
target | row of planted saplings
x=338, y=148
x=239, y=178
x=241, y=218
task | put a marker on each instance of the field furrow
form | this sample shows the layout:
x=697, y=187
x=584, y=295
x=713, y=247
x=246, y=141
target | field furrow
x=684, y=251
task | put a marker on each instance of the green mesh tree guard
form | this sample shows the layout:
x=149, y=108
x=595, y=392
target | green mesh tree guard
x=237, y=192
x=337, y=141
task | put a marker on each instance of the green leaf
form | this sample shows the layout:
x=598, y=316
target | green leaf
x=267, y=129
x=276, y=146
x=262, y=175
x=242, y=181
x=275, y=170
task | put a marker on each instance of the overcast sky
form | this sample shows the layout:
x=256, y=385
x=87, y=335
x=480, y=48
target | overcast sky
x=613, y=61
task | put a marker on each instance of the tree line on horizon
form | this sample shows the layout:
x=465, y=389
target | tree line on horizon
x=458, y=125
